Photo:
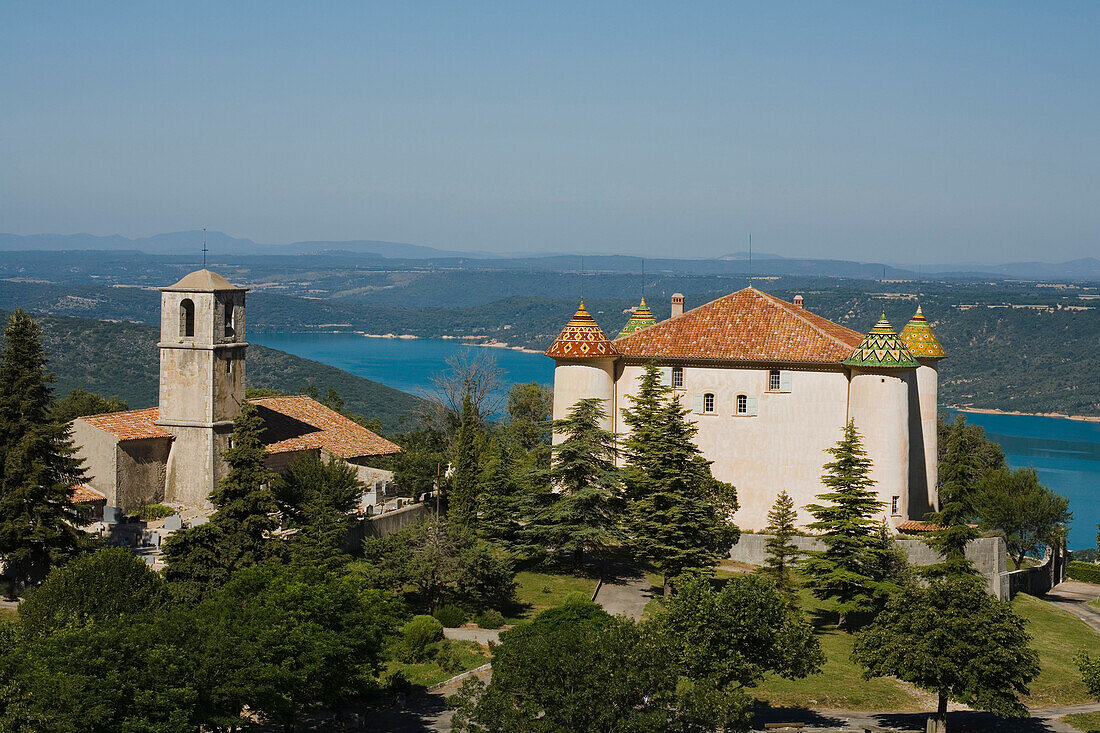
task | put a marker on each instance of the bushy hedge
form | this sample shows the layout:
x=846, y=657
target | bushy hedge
x=1083, y=571
x=450, y=615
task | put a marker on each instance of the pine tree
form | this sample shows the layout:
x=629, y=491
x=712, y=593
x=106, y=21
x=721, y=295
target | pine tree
x=39, y=526
x=679, y=516
x=782, y=553
x=238, y=535
x=499, y=497
x=959, y=473
x=844, y=570
x=462, y=502
x=580, y=513
x=317, y=499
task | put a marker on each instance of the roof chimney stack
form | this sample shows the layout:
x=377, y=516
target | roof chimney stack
x=798, y=301
x=677, y=304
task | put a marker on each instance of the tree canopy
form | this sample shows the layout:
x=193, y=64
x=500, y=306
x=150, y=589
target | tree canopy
x=1029, y=514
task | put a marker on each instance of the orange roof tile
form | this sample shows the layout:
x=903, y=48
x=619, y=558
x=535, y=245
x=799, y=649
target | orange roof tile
x=129, y=425
x=85, y=494
x=582, y=338
x=748, y=325
x=301, y=423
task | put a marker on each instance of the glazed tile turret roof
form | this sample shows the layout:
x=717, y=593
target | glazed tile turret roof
x=748, y=325
x=642, y=318
x=882, y=348
x=581, y=338
x=920, y=340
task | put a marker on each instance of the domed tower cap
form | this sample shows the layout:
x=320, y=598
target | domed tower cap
x=203, y=281
x=920, y=340
x=581, y=338
x=642, y=317
x=882, y=349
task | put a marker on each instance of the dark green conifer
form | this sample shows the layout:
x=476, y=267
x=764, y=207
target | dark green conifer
x=462, y=501
x=782, y=553
x=39, y=526
x=845, y=569
x=500, y=497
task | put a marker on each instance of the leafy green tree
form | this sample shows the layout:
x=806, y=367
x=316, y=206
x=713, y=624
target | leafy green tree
x=966, y=455
x=529, y=409
x=1029, y=514
x=462, y=498
x=106, y=584
x=39, y=525
x=782, y=553
x=421, y=461
x=952, y=638
x=844, y=569
x=500, y=498
x=679, y=516
x=734, y=636
x=238, y=534
x=1090, y=673
x=317, y=499
x=79, y=403
x=580, y=515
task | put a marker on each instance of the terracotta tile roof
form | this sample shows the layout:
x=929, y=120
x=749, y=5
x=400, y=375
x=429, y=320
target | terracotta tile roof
x=582, y=338
x=85, y=494
x=915, y=525
x=747, y=325
x=130, y=425
x=291, y=424
x=301, y=423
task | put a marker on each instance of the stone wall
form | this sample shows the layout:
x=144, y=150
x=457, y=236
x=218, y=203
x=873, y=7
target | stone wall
x=141, y=472
x=385, y=524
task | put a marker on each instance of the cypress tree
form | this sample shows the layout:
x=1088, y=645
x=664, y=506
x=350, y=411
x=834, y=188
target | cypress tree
x=238, y=535
x=462, y=502
x=844, y=570
x=39, y=525
x=679, y=516
x=782, y=553
x=499, y=496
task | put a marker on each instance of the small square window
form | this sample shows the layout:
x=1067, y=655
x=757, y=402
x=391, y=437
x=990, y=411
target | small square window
x=742, y=404
x=677, y=377
x=708, y=402
x=774, y=380
x=894, y=501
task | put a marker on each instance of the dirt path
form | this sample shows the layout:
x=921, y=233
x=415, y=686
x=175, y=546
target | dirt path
x=1074, y=597
x=625, y=596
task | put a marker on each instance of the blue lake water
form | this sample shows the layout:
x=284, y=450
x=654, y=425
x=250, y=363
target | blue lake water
x=1066, y=453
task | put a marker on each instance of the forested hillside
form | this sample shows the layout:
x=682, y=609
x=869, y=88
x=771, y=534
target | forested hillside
x=120, y=359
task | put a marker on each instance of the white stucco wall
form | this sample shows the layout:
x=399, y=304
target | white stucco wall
x=781, y=448
x=879, y=405
x=923, y=460
x=581, y=379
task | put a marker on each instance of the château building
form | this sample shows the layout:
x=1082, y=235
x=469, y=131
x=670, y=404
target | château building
x=771, y=386
x=173, y=452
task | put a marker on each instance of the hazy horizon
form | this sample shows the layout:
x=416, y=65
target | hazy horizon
x=902, y=133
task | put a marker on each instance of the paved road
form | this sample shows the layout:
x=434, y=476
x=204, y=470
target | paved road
x=1041, y=721
x=1074, y=597
x=625, y=596
x=481, y=636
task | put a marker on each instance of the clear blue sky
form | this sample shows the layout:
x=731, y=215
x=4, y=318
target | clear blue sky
x=907, y=132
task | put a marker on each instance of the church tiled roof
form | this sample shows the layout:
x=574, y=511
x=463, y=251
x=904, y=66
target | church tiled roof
x=920, y=340
x=85, y=494
x=582, y=338
x=882, y=348
x=642, y=318
x=748, y=325
x=290, y=424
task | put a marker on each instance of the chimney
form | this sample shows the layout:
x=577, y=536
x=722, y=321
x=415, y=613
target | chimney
x=677, y=304
x=798, y=301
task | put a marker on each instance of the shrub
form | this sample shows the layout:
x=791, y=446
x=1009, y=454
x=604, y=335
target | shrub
x=490, y=619
x=419, y=635
x=1083, y=571
x=576, y=597
x=450, y=615
x=153, y=512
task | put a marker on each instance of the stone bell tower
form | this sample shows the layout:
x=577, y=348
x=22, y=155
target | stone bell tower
x=202, y=350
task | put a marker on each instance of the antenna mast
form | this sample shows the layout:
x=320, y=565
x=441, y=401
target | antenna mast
x=750, y=259
x=204, y=249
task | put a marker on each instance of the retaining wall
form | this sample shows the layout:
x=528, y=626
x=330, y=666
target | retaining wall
x=385, y=524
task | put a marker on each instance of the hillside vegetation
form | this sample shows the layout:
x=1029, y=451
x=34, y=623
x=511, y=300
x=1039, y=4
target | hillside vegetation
x=120, y=359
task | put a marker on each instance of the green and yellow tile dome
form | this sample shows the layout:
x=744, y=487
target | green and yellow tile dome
x=920, y=340
x=642, y=318
x=882, y=348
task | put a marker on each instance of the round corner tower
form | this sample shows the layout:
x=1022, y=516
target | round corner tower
x=584, y=367
x=202, y=350
x=923, y=410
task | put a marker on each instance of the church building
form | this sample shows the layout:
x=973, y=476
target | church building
x=771, y=386
x=173, y=452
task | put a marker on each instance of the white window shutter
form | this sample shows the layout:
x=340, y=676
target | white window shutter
x=750, y=406
x=784, y=381
x=666, y=376
x=698, y=407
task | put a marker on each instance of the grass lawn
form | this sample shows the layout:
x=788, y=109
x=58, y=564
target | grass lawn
x=8, y=614
x=1087, y=722
x=463, y=656
x=537, y=592
x=1058, y=635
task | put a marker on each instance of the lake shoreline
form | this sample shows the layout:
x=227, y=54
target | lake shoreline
x=991, y=411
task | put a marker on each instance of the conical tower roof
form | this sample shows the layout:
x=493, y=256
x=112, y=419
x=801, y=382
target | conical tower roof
x=581, y=338
x=920, y=340
x=882, y=348
x=642, y=317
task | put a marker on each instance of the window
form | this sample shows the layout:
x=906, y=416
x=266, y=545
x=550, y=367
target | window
x=229, y=319
x=228, y=366
x=894, y=504
x=773, y=380
x=742, y=404
x=708, y=402
x=677, y=377
x=187, y=318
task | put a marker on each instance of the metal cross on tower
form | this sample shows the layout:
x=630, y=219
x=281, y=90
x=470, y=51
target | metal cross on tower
x=204, y=249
